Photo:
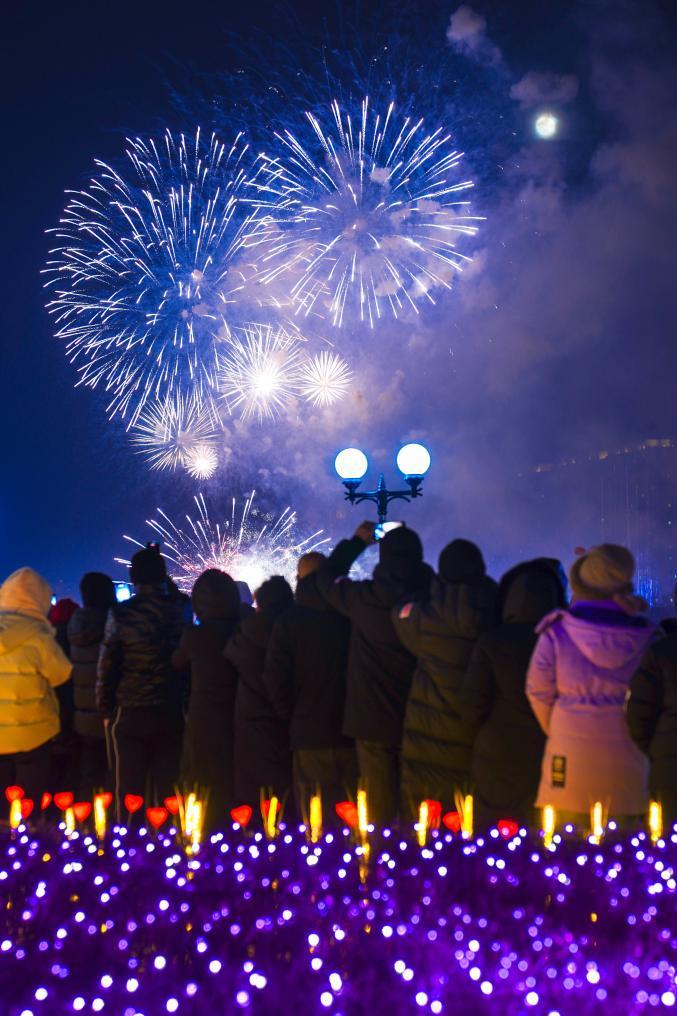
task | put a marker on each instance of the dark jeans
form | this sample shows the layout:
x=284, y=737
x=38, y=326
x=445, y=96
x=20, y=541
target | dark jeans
x=28, y=769
x=95, y=774
x=379, y=766
x=147, y=749
x=332, y=771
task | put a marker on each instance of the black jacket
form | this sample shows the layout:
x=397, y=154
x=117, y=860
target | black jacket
x=652, y=717
x=442, y=633
x=306, y=664
x=507, y=741
x=85, y=634
x=134, y=669
x=262, y=754
x=379, y=667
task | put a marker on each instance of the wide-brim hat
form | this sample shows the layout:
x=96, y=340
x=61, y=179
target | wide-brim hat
x=606, y=572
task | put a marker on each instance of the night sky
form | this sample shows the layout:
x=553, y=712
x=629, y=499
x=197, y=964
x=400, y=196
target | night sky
x=561, y=340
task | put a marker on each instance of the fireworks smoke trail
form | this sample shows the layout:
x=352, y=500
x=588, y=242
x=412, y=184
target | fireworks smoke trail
x=143, y=278
x=258, y=371
x=170, y=433
x=325, y=379
x=376, y=209
x=249, y=546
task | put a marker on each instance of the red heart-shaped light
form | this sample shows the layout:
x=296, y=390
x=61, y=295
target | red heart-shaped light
x=156, y=816
x=26, y=807
x=14, y=793
x=452, y=821
x=242, y=814
x=172, y=804
x=133, y=802
x=434, y=813
x=45, y=801
x=63, y=799
x=347, y=811
x=82, y=810
x=508, y=828
x=106, y=798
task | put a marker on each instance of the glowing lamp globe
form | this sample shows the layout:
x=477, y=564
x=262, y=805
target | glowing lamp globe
x=546, y=125
x=413, y=460
x=351, y=464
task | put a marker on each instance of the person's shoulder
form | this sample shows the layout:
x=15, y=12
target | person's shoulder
x=552, y=622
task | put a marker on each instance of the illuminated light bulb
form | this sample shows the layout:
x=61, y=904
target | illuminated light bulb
x=69, y=818
x=100, y=816
x=465, y=809
x=315, y=818
x=597, y=822
x=655, y=821
x=548, y=824
x=271, y=818
x=15, y=813
x=422, y=825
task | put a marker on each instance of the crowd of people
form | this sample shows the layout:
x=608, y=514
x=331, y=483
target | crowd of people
x=416, y=684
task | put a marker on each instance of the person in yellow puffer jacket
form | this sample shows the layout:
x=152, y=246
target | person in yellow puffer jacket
x=32, y=664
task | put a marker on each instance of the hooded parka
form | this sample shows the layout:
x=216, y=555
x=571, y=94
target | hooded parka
x=577, y=685
x=32, y=664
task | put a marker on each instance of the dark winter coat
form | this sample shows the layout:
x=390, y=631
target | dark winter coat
x=508, y=742
x=306, y=665
x=134, y=669
x=207, y=759
x=441, y=633
x=380, y=668
x=652, y=719
x=262, y=753
x=85, y=634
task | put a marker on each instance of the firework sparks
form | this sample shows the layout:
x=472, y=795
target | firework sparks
x=172, y=432
x=141, y=279
x=325, y=379
x=249, y=545
x=376, y=208
x=259, y=371
x=202, y=462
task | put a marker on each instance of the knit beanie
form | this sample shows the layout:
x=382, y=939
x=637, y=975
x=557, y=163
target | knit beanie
x=399, y=546
x=461, y=561
x=148, y=567
x=606, y=573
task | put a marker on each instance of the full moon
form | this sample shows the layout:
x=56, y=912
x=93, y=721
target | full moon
x=546, y=125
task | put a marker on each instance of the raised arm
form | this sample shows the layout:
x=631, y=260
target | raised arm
x=339, y=591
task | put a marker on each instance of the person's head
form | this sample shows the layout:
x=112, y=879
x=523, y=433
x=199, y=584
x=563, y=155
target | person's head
x=531, y=590
x=309, y=563
x=62, y=611
x=606, y=572
x=274, y=594
x=399, y=548
x=148, y=567
x=97, y=590
x=461, y=562
x=26, y=592
x=215, y=596
x=244, y=592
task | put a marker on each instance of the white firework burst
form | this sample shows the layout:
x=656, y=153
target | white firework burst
x=248, y=544
x=325, y=379
x=258, y=372
x=202, y=462
x=168, y=432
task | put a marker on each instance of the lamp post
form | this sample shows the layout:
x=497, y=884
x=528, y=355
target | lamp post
x=413, y=461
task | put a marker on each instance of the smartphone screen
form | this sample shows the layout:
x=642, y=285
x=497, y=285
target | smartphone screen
x=385, y=527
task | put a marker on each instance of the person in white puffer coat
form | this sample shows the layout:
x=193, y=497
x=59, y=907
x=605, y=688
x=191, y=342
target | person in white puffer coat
x=32, y=664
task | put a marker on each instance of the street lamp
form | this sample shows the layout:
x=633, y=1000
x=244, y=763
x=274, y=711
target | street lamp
x=413, y=461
